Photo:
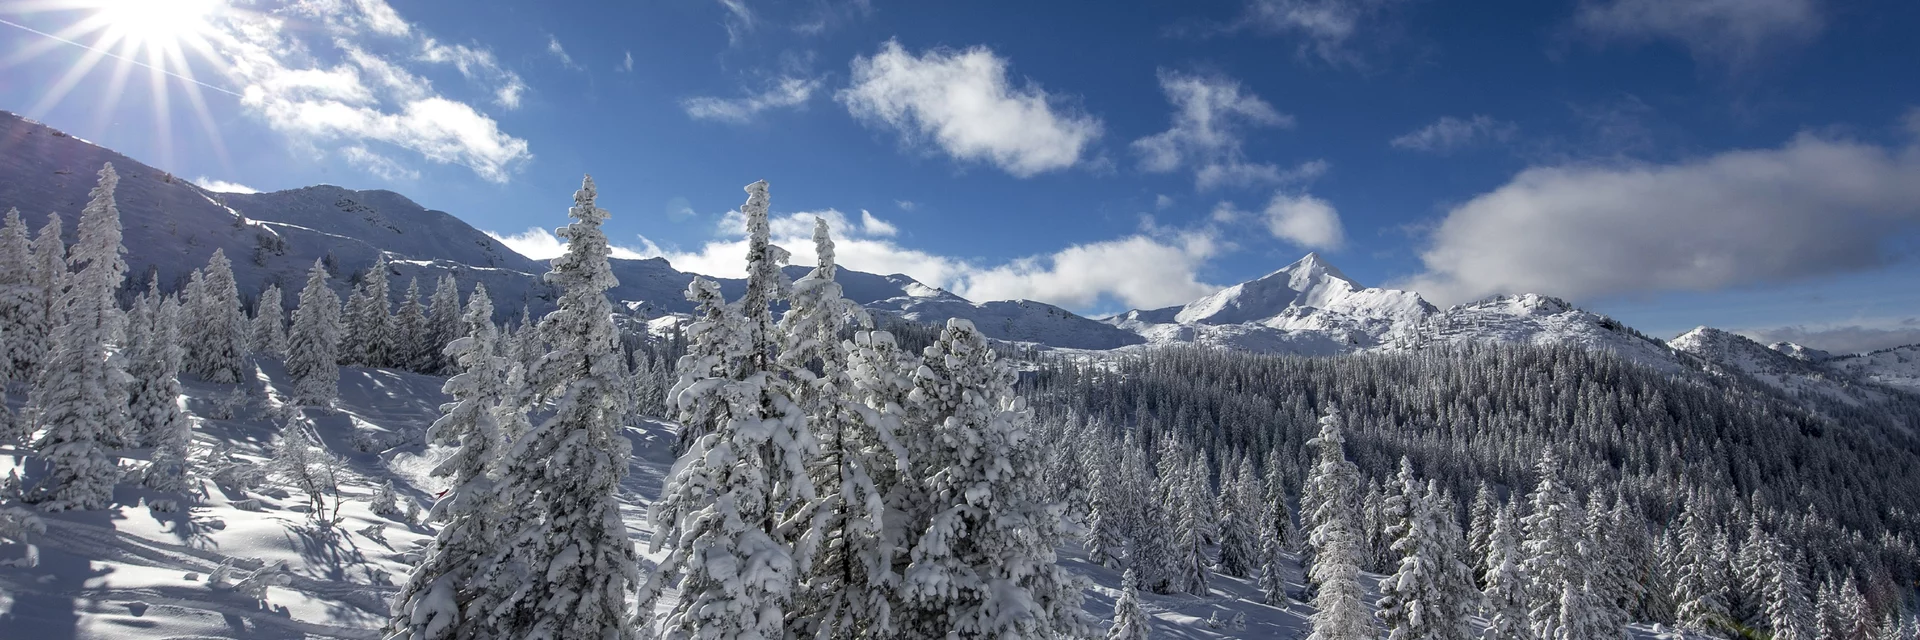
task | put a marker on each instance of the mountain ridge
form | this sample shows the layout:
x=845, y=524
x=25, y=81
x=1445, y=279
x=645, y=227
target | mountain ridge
x=1309, y=307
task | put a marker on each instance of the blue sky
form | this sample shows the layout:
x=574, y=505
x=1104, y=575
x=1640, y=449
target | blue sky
x=1746, y=164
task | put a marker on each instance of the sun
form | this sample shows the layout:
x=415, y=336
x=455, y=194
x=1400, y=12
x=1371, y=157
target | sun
x=164, y=37
x=154, y=23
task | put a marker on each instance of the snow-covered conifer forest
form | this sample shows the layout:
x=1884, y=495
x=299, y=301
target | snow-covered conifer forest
x=335, y=414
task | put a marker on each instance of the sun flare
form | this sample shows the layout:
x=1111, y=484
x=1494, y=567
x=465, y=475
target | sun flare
x=155, y=23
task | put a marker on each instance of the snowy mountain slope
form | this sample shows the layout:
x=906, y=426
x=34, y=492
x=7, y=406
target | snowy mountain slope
x=1797, y=352
x=1898, y=367
x=1311, y=308
x=1541, y=321
x=1726, y=351
x=1011, y=320
x=1298, y=290
x=173, y=227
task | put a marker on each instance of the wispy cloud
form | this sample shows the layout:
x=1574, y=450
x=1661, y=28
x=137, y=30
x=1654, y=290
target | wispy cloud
x=384, y=167
x=786, y=92
x=1449, y=134
x=1334, y=31
x=964, y=103
x=1725, y=32
x=1211, y=115
x=560, y=52
x=477, y=64
x=626, y=65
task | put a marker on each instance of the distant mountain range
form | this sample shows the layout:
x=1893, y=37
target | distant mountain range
x=1307, y=308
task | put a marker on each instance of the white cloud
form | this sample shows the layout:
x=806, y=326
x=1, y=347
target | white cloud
x=787, y=92
x=1326, y=28
x=626, y=65
x=1304, y=220
x=1450, y=133
x=1815, y=206
x=875, y=226
x=1731, y=32
x=1209, y=114
x=739, y=20
x=384, y=167
x=477, y=64
x=1152, y=268
x=222, y=186
x=382, y=18
x=541, y=244
x=1237, y=174
x=553, y=47
x=1139, y=271
x=365, y=97
x=1162, y=201
x=964, y=102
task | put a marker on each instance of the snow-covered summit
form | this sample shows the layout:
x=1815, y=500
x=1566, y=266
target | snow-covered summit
x=1309, y=284
x=1798, y=352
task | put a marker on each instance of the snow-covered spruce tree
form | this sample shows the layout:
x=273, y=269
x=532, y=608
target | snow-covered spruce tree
x=716, y=335
x=1608, y=569
x=1480, y=531
x=1189, y=542
x=1830, y=616
x=849, y=585
x=1461, y=595
x=1629, y=538
x=1788, y=613
x=1240, y=514
x=1421, y=600
x=1575, y=618
x=1108, y=523
x=217, y=338
x=733, y=507
x=370, y=325
x=1406, y=595
x=1278, y=485
x=413, y=344
x=444, y=324
x=1340, y=607
x=984, y=566
x=81, y=395
x=1151, y=548
x=1273, y=583
x=1700, y=588
x=1129, y=621
x=22, y=308
x=435, y=602
x=568, y=555
x=49, y=283
x=269, y=324
x=313, y=345
x=1551, y=550
x=11, y=430
x=155, y=367
x=1506, y=584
